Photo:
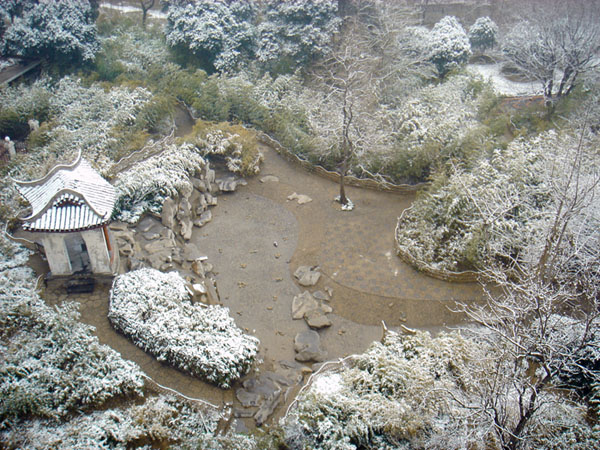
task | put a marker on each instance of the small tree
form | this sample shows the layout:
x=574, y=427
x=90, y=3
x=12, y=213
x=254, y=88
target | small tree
x=146, y=5
x=52, y=30
x=556, y=44
x=294, y=33
x=449, y=45
x=483, y=34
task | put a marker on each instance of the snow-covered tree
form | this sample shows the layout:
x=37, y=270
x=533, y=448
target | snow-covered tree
x=449, y=45
x=294, y=33
x=556, y=44
x=155, y=310
x=483, y=34
x=55, y=30
x=219, y=32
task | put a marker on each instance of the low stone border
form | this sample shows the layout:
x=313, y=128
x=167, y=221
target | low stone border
x=334, y=176
x=445, y=275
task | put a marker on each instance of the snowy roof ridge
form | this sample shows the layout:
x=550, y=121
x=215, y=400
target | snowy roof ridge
x=69, y=198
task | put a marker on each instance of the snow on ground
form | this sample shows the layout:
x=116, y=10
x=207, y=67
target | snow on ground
x=503, y=85
x=130, y=9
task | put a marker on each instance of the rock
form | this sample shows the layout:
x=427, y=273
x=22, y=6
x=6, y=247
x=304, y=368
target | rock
x=134, y=263
x=198, y=184
x=307, y=276
x=191, y=252
x=307, y=346
x=301, y=198
x=198, y=268
x=201, y=204
x=184, y=210
x=316, y=319
x=167, y=216
x=198, y=289
x=158, y=246
x=243, y=413
x=320, y=295
x=211, y=200
x=118, y=226
x=204, y=218
x=186, y=190
x=151, y=235
x=303, y=303
x=229, y=184
x=269, y=179
x=326, y=308
x=209, y=174
x=126, y=249
x=186, y=228
x=266, y=409
x=146, y=224
x=247, y=398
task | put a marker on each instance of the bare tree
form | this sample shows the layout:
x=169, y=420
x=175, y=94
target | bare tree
x=542, y=314
x=556, y=43
x=369, y=65
x=146, y=6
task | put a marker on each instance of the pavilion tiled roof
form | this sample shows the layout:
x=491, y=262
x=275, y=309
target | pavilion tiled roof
x=69, y=198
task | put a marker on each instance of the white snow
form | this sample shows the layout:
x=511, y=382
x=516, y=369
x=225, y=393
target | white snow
x=130, y=9
x=503, y=85
x=327, y=384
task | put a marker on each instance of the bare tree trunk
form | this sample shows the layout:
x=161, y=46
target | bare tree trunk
x=146, y=6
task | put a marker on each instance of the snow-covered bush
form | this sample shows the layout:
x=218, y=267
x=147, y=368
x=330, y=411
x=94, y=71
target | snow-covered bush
x=449, y=45
x=498, y=209
x=83, y=118
x=145, y=186
x=55, y=30
x=236, y=144
x=155, y=311
x=296, y=32
x=217, y=31
x=392, y=393
x=162, y=420
x=483, y=34
x=51, y=364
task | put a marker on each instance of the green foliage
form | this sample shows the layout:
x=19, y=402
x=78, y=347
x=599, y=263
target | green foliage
x=238, y=145
x=13, y=124
x=156, y=116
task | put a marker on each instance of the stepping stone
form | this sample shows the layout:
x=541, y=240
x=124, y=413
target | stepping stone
x=307, y=276
x=301, y=198
x=320, y=295
x=269, y=179
x=317, y=319
x=307, y=346
x=302, y=304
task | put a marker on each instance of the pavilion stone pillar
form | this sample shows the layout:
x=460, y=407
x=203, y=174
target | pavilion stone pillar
x=56, y=253
x=97, y=250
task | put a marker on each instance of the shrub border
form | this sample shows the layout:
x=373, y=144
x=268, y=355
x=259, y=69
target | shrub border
x=350, y=180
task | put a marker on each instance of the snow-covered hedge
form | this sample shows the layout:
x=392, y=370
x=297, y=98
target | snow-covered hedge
x=499, y=209
x=483, y=33
x=162, y=420
x=392, y=393
x=145, y=186
x=154, y=310
x=51, y=364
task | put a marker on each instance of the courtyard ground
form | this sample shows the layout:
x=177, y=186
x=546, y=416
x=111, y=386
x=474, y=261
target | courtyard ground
x=256, y=240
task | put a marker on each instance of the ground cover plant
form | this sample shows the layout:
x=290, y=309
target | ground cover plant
x=52, y=364
x=155, y=311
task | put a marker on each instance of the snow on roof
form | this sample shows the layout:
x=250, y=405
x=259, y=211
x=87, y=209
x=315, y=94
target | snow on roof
x=69, y=198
